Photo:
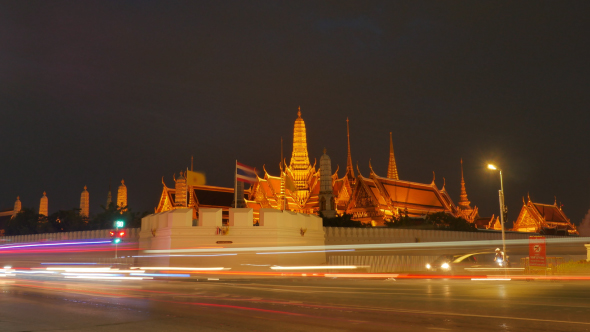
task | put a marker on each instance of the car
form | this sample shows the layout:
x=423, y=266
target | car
x=466, y=263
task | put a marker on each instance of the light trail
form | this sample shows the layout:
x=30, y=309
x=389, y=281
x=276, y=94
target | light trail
x=315, y=267
x=168, y=268
x=301, y=252
x=417, y=245
x=52, y=244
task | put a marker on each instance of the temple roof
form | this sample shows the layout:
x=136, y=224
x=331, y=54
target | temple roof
x=214, y=196
x=550, y=213
x=411, y=195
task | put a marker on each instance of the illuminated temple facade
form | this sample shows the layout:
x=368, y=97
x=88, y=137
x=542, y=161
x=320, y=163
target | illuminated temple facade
x=373, y=199
x=544, y=219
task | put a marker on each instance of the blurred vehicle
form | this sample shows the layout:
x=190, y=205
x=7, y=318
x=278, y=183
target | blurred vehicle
x=465, y=262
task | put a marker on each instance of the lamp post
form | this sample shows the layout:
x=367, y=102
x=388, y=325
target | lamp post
x=501, y=194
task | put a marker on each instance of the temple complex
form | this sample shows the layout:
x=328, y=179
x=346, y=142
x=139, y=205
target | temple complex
x=85, y=203
x=543, y=219
x=44, y=205
x=374, y=199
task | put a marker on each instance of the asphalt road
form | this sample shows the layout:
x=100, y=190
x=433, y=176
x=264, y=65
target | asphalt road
x=294, y=304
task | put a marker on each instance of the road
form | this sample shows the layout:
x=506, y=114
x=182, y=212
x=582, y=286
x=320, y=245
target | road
x=294, y=304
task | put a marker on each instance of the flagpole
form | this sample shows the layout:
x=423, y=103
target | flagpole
x=236, y=186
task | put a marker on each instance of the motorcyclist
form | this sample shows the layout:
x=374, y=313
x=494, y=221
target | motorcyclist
x=499, y=257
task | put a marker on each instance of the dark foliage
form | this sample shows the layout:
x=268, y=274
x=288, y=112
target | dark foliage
x=25, y=222
x=439, y=220
x=344, y=220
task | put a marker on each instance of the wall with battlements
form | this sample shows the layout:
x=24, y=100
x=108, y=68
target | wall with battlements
x=174, y=229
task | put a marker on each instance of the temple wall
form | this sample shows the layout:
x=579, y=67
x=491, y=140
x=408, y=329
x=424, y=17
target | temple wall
x=173, y=230
x=350, y=235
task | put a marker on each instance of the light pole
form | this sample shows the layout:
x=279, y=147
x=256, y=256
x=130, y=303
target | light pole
x=501, y=194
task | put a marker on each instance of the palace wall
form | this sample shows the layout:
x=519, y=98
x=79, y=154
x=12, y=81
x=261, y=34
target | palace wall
x=174, y=229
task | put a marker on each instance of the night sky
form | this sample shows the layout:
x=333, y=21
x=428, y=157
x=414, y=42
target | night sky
x=99, y=91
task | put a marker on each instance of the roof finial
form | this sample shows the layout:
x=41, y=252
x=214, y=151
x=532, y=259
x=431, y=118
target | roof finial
x=444, y=183
x=299, y=111
x=324, y=152
x=555, y=202
x=392, y=168
x=85, y=188
x=528, y=196
x=371, y=167
x=433, y=178
x=357, y=168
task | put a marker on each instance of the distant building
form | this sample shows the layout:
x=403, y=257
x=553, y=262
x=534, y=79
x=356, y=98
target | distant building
x=109, y=197
x=7, y=214
x=122, y=196
x=44, y=205
x=85, y=203
x=543, y=219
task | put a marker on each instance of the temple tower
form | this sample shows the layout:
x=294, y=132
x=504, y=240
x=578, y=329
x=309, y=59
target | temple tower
x=85, y=203
x=392, y=168
x=464, y=203
x=180, y=193
x=465, y=210
x=349, y=168
x=109, y=197
x=327, y=203
x=44, y=205
x=17, y=207
x=300, y=167
x=122, y=196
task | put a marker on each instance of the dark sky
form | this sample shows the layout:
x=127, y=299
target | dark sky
x=92, y=91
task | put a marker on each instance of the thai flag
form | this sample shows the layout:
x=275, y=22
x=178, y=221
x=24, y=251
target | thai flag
x=245, y=173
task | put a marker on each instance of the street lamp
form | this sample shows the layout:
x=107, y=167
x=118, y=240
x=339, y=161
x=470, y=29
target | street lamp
x=502, y=207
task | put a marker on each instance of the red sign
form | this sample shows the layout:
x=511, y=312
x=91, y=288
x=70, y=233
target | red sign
x=537, y=251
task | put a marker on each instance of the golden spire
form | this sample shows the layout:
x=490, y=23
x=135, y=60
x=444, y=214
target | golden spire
x=463, y=201
x=349, y=169
x=392, y=168
x=300, y=166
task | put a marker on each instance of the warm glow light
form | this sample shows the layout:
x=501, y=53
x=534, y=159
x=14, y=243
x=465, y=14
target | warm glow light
x=490, y=166
x=313, y=267
x=184, y=268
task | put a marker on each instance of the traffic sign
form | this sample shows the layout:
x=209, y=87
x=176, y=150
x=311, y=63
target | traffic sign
x=537, y=251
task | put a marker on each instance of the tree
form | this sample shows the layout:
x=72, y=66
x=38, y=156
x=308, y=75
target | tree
x=344, y=220
x=442, y=220
x=25, y=222
x=112, y=213
x=439, y=220
x=67, y=221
